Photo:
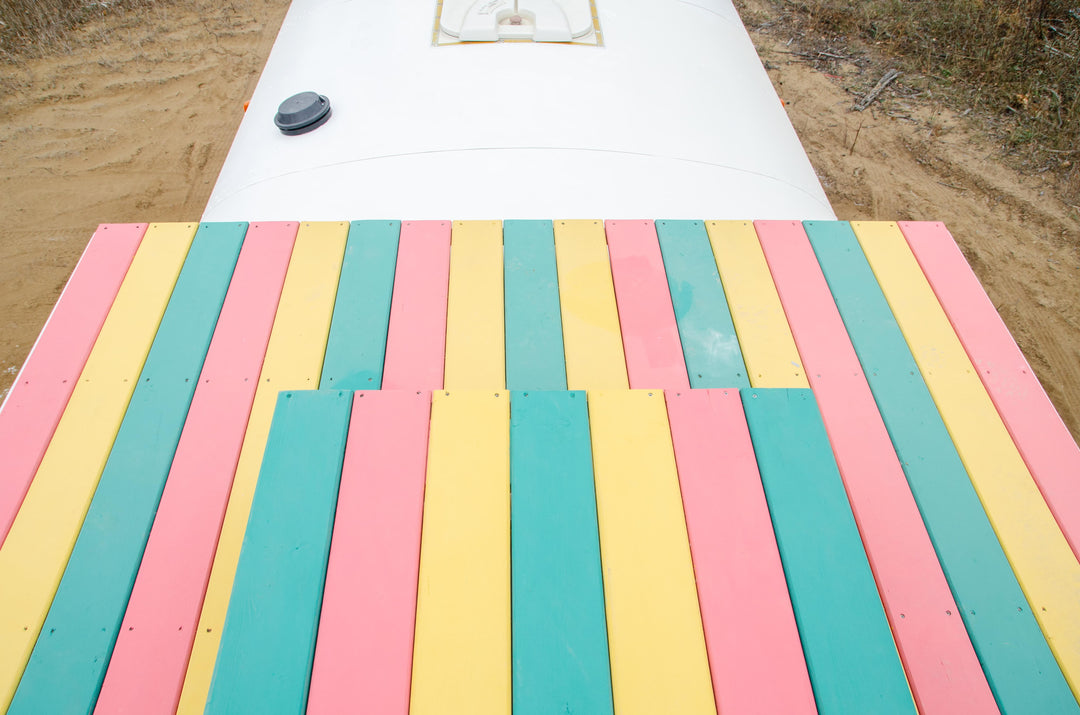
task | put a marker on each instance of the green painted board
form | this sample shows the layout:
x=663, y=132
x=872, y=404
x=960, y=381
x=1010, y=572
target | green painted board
x=1021, y=670
x=560, y=646
x=66, y=668
x=711, y=348
x=850, y=654
x=534, y=342
x=265, y=658
x=356, y=347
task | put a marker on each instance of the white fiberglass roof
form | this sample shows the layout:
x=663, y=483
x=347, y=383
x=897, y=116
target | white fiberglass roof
x=673, y=116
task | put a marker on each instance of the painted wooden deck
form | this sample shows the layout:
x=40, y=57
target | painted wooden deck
x=755, y=467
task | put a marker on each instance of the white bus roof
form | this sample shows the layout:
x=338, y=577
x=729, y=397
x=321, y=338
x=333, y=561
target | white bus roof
x=671, y=116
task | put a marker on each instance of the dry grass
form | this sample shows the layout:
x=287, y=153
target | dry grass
x=32, y=27
x=1014, y=62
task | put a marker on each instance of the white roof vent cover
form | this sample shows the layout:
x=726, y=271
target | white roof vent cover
x=536, y=20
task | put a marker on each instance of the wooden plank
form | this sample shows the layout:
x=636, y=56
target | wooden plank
x=943, y=670
x=68, y=662
x=416, y=337
x=475, y=342
x=654, y=356
x=269, y=640
x=1018, y=664
x=755, y=655
x=560, y=644
x=357, y=344
x=151, y=653
x=461, y=653
x=658, y=658
x=1048, y=449
x=849, y=649
x=768, y=348
x=590, y=316
x=709, y=342
x=363, y=656
x=293, y=361
x=37, y=548
x=1040, y=556
x=36, y=401
x=534, y=338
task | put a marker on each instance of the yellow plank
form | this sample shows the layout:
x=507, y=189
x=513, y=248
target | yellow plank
x=657, y=647
x=461, y=651
x=293, y=361
x=772, y=360
x=475, y=347
x=37, y=549
x=1040, y=556
x=590, y=317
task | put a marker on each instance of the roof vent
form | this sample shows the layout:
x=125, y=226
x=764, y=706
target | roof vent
x=302, y=112
x=536, y=20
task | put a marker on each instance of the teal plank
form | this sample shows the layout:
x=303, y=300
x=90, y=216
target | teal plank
x=1021, y=670
x=850, y=654
x=66, y=668
x=534, y=343
x=356, y=347
x=268, y=644
x=713, y=356
x=560, y=647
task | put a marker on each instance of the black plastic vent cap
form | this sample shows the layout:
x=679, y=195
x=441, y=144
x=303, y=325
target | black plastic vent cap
x=302, y=112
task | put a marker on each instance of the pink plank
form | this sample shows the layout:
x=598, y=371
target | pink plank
x=40, y=393
x=416, y=338
x=654, y=356
x=363, y=657
x=943, y=670
x=148, y=663
x=1035, y=426
x=755, y=655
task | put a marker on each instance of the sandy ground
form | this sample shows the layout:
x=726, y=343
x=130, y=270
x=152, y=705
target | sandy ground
x=134, y=121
